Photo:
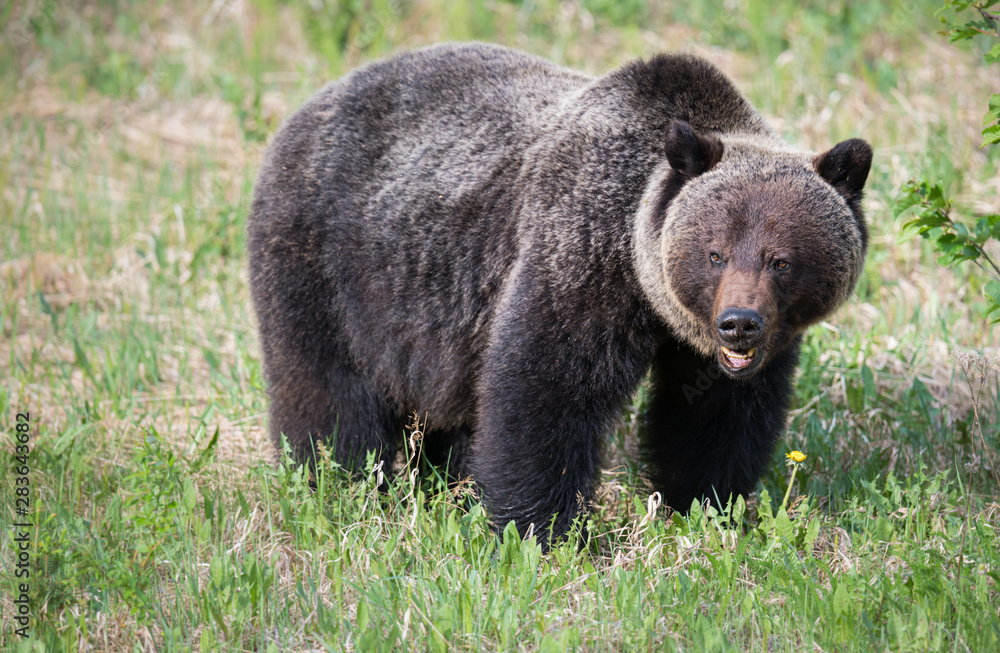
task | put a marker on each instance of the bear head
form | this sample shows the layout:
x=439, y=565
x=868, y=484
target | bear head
x=743, y=241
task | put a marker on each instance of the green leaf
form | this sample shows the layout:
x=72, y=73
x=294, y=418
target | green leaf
x=812, y=533
x=764, y=507
x=362, y=614
x=47, y=309
x=994, y=222
x=549, y=645
x=190, y=496
x=217, y=571
x=868, y=383
x=991, y=136
x=80, y=359
x=982, y=229
x=910, y=198
x=841, y=598
x=928, y=221
x=934, y=195
x=993, y=113
x=992, y=292
x=783, y=526
x=855, y=397
x=993, y=56
x=207, y=453
x=962, y=33
x=160, y=249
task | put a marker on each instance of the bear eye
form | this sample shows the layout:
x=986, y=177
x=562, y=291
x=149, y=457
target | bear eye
x=715, y=258
x=781, y=265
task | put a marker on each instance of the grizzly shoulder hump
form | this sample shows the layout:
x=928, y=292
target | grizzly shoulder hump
x=690, y=88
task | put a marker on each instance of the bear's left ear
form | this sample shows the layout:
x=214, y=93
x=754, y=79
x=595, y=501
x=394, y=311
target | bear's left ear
x=846, y=167
x=691, y=154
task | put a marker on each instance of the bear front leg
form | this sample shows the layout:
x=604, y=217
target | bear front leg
x=705, y=435
x=536, y=452
x=546, y=401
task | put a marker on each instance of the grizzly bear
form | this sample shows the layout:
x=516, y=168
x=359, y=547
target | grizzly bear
x=509, y=247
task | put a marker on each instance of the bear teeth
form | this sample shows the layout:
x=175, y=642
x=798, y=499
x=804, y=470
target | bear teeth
x=737, y=359
x=735, y=354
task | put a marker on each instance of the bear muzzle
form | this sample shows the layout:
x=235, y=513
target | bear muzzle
x=741, y=331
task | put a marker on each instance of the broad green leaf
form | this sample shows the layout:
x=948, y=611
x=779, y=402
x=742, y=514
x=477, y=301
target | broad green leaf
x=971, y=252
x=993, y=113
x=993, y=56
x=929, y=221
x=991, y=136
x=362, y=618
x=909, y=198
x=841, y=598
x=982, y=229
x=962, y=33
x=812, y=533
x=993, y=290
x=783, y=526
x=935, y=195
x=868, y=383
x=994, y=221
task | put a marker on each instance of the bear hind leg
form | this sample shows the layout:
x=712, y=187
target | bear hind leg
x=332, y=404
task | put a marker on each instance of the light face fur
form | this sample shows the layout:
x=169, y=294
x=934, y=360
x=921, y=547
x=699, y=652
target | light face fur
x=763, y=231
x=508, y=248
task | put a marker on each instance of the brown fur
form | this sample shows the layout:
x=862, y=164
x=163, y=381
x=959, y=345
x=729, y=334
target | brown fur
x=509, y=247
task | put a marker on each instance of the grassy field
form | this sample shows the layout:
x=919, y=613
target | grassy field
x=160, y=518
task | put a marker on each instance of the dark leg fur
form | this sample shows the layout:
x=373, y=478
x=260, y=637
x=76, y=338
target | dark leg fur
x=448, y=451
x=333, y=406
x=706, y=436
x=545, y=407
x=316, y=394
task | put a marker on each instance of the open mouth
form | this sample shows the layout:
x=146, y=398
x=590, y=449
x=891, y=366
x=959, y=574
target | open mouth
x=738, y=361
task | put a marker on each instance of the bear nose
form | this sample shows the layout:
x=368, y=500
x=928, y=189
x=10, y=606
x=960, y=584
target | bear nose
x=741, y=327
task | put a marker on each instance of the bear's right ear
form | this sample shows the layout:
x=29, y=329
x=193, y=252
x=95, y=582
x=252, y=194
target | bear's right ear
x=691, y=154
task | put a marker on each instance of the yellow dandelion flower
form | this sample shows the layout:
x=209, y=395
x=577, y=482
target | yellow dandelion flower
x=796, y=456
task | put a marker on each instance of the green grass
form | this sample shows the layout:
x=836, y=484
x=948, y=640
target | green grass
x=130, y=135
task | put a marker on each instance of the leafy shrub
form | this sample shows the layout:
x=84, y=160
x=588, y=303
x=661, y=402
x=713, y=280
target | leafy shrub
x=925, y=204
